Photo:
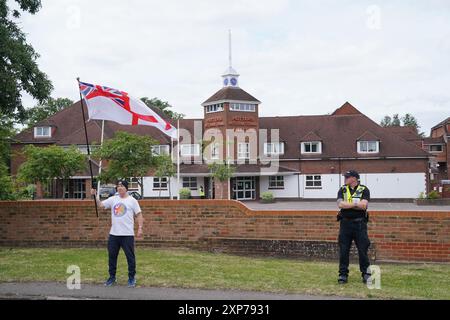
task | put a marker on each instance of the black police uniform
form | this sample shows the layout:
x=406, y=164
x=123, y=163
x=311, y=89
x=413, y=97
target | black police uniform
x=353, y=227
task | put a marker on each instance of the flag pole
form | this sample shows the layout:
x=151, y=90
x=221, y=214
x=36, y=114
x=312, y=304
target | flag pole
x=87, y=145
x=100, y=162
x=178, y=159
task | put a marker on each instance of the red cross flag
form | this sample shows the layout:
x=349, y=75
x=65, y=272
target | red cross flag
x=105, y=103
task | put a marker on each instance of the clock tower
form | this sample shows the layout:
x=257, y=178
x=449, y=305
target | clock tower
x=231, y=107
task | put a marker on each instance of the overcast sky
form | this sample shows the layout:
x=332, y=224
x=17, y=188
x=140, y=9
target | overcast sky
x=297, y=57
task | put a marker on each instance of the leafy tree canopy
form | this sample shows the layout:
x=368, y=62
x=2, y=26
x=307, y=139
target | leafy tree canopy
x=128, y=156
x=165, y=166
x=46, y=109
x=19, y=70
x=408, y=120
x=221, y=171
x=7, y=191
x=7, y=131
x=45, y=163
x=164, y=106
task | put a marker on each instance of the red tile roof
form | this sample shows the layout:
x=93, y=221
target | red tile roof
x=311, y=136
x=368, y=136
x=406, y=132
x=437, y=140
x=339, y=133
x=233, y=94
x=346, y=109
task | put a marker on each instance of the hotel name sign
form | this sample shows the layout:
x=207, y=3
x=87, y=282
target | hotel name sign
x=241, y=121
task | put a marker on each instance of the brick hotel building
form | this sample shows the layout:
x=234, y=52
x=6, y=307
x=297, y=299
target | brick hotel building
x=311, y=152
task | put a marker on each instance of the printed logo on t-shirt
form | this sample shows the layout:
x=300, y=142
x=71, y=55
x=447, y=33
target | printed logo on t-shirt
x=119, y=209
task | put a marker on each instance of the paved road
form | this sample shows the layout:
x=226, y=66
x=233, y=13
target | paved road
x=331, y=205
x=58, y=291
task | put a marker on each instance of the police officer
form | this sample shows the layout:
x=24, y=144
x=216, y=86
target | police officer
x=353, y=199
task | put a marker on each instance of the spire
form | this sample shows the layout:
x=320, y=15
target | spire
x=230, y=60
x=230, y=76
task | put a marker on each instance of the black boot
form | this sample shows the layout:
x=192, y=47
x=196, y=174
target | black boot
x=365, y=277
x=343, y=279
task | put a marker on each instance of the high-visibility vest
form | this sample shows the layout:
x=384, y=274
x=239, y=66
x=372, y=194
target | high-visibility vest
x=356, y=195
x=202, y=193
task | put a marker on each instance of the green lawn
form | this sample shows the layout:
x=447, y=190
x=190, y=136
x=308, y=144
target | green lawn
x=192, y=269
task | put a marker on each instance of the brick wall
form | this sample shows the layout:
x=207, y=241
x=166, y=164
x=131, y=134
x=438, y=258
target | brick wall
x=227, y=226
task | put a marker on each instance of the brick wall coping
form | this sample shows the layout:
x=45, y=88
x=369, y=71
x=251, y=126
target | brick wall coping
x=221, y=203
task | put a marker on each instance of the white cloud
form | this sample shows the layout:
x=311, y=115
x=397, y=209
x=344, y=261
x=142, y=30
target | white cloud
x=297, y=57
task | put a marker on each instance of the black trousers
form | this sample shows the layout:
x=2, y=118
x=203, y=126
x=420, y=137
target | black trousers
x=127, y=245
x=351, y=230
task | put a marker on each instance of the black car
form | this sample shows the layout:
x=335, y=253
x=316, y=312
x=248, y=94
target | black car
x=106, y=192
x=135, y=195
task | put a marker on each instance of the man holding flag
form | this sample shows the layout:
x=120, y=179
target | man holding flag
x=104, y=103
x=124, y=209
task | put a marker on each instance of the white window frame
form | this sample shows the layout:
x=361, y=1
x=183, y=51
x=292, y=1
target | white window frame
x=41, y=135
x=316, y=180
x=270, y=150
x=193, y=150
x=361, y=149
x=156, y=149
x=319, y=147
x=244, y=154
x=215, y=151
x=214, y=108
x=276, y=182
x=190, y=182
x=157, y=182
x=434, y=145
x=243, y=107
x=133, y=184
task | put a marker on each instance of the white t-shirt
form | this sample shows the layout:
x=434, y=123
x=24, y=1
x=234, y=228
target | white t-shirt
x=123, y=211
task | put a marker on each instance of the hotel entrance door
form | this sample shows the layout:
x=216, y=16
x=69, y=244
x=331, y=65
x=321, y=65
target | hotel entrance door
x=244, y=188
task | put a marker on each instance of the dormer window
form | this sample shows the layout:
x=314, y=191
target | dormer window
x=214, y=108
x=273, y=148
x=368, y=146
x=42, y=132
x=311, y=147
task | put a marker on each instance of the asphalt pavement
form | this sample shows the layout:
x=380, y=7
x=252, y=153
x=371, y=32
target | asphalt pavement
x=59, y=291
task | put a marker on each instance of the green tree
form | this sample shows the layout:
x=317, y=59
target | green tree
x=221, y=172
x=6, y=184
x=386, y=121
x=408, y=120
x=44, y=164
x=396, y=120
x=7, y=132
x=165, y=168
x=164, y=106
x=128, y=156
x=46, y=109
x=19, y=71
